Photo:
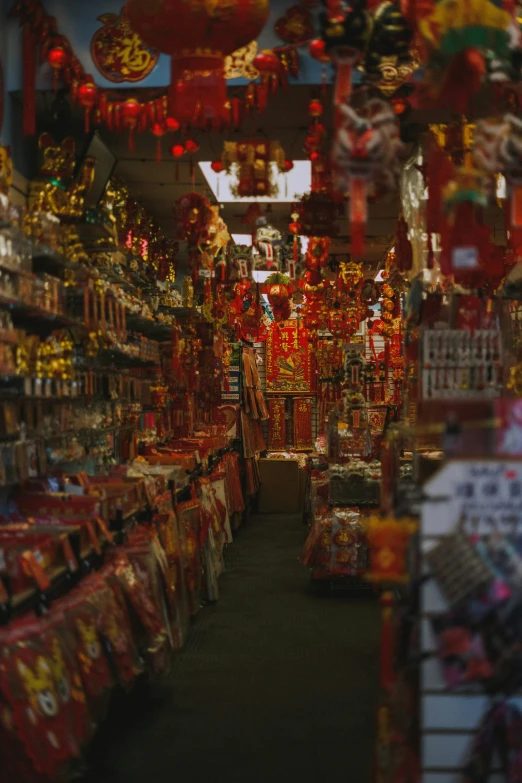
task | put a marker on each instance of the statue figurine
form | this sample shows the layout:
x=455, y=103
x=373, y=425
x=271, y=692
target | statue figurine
x=6, y=170
x=187, y=291
x=55, y=190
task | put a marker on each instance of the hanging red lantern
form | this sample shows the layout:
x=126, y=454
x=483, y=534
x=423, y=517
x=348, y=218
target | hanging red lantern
x=315, y=108
x=87, y=96
x=216, y=166
x=158, y=130
x=57, y=58
x=288, y=165
x=177, y=150
x=317, y=50
x=172, y=124
x=191, y=146
x=267, y=63
x=198, y=36
x=130, y=113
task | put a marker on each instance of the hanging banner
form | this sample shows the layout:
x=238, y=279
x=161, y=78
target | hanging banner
x=303, y=408
x=288, y=359
x=276, y=424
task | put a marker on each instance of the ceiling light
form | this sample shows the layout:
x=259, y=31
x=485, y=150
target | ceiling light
x=260, y=275
x=242, y=239
x=289, y=185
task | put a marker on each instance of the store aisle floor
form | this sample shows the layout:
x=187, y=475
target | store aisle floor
x=275, y=683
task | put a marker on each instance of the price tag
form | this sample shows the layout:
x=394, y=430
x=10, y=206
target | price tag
x=465, y=258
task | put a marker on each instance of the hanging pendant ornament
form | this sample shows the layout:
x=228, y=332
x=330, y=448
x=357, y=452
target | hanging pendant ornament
x=346, y=32
x=158, y=130
x=497, y=148
x=365, y=154
x=87, y=96
x=58, y=59
x=278, y=288
x=198, y=37
x=130, y=112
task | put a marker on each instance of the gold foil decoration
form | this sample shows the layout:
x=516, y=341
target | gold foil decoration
x=240, y=63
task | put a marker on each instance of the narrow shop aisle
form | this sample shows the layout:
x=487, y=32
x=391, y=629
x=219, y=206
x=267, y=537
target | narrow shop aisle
x=275, y=683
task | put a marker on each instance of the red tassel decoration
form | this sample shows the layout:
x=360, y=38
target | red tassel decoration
x=29, y=80
x=387, y=602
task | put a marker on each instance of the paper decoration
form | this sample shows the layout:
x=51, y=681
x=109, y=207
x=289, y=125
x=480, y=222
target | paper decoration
x=303, y=423
x=119, y=53
x=288, y=359
x=276, y=424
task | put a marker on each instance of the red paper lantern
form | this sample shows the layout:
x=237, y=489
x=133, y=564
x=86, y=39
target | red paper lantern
x=315, y=108
x=318, y=51
x=87, y=96
x=216, y=166
x=57, y=58
x=198, y=36
x=158, y=130
x=191, y=146
x=177, y=150
x=172, y=124
x=130, y=112
x=267, y=63
x=288, y=165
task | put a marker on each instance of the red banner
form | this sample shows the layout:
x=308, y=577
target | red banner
x=276, y=424
x=288, y=359
x=303, y=408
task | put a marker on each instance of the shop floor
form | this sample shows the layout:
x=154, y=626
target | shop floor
x=276, y=682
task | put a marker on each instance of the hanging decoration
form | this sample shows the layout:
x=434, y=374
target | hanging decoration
x=276, y=424
x=315, y=216
x=193, y=215
x=118, y=52
x=103, y=107
x=303, y=437
x=288, y=359
x=254, y=162
x=240, y=64
x=278, y=288
x=267, y=246
x=388, y=539
x=463, y=46
x=365, y=155
x=296, y=26
x=198, y=36
x=246, y=313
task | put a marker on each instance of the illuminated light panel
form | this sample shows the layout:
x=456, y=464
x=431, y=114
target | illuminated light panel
x=290, y=185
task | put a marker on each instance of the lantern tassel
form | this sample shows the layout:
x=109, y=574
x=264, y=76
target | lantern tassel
x=387, y=602
x=358, y=214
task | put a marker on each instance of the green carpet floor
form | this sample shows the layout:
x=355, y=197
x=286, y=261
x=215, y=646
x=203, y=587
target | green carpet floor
x=275, y=683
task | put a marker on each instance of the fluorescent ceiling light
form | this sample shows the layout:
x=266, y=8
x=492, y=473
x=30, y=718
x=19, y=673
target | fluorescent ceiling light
x=242, y=239
x=260, y=275
x=289, y=186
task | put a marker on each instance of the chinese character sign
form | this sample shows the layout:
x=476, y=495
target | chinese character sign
x=303, y=407
x=276, y=424
x=288, y=359
x=119, y=53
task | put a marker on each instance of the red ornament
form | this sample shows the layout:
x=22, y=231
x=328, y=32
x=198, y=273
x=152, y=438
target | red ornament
x=315, y=108
x=288, y=165
x=318, y=51
x=177, y=150
x=198, y=36
x=87, y=96
x=158, y=130
x=267, y=62
x=191, y=146
x=130, y=112
x=172, y=124
x=57, y=58
x=216, y=166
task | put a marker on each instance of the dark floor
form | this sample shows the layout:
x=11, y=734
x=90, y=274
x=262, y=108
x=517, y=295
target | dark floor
x=275, y=683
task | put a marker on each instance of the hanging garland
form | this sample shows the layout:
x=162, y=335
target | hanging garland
x=108, y=107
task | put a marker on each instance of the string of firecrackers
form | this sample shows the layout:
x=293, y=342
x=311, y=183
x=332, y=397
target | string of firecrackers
x=303, y=423
x=133, y=114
